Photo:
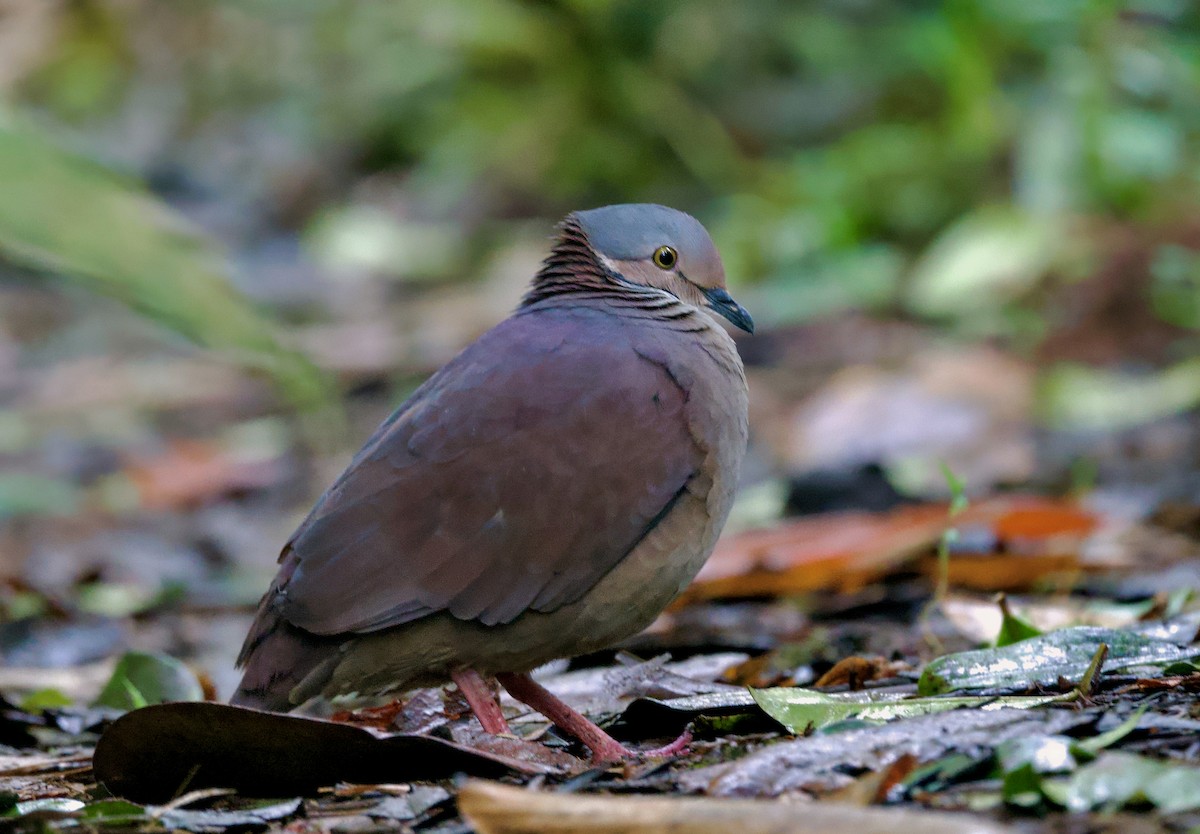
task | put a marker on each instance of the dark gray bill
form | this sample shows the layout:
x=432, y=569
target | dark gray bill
x=721, y=301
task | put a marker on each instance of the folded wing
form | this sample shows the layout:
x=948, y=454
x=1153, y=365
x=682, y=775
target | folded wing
x=513, y=480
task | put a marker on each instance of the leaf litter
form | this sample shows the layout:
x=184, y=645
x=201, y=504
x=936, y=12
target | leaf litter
x=751, y=742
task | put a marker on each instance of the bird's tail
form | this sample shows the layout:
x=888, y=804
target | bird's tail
x=277, y=656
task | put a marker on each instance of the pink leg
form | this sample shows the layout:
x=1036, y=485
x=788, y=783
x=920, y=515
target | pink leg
x=604, y=747
x=482, y=699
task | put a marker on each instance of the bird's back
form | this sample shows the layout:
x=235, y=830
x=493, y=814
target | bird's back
x=512, y=482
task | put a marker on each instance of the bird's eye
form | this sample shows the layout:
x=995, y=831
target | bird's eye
x=665, y=257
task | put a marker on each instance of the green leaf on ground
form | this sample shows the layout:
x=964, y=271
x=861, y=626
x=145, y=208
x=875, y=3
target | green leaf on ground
x=140, y=679
x=1023, y=762
x=1065, y=653
x=113, y=810
x=799, y=709
x=1095, y=744
x=1119, y=779
x=1013, y=628
x=44, y=699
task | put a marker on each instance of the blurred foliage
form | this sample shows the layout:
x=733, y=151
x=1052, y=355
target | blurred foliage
x=63, y=215
x=142, y=678
x=948, y=160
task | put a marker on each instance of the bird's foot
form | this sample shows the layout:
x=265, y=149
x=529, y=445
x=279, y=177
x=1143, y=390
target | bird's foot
x=604, y=747
x=483, y=699
x=670, y=750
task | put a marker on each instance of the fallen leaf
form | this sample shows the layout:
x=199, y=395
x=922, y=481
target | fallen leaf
x=1065, y=653
x=1038, y=522
x=151, y=754
x=499, y=809
x=410, y=805
x=980, y=619
x=218, y=820
x=141, y=678
x=56, y=805
x=670, y=716
x=1117, y=779
x=1007, y=571
x=876, y=786
x=602, y=691
x=838, y=551
x=1188, y=683
x=854, y=671
x=824, y=761
x=110, y=811
x=801, y=710
x=1028, y=538
x=1013, y=628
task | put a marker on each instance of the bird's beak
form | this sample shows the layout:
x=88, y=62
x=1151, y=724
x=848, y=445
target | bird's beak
x=722, y=302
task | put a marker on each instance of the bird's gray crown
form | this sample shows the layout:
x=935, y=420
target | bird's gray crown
x=634, y=230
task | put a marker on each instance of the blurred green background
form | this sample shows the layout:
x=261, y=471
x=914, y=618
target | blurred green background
x=331, y=197
x=945, y=159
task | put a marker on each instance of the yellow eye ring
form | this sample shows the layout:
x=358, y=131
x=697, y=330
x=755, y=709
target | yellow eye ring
x=665, y=257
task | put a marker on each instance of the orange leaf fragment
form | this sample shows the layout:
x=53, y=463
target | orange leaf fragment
x=192, y=472
x=836, y=551
x=1030, y=538
x=855, y=671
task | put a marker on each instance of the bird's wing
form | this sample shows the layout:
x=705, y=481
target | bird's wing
x=515, y=479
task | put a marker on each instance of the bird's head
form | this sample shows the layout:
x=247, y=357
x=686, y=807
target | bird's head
x=654, y=246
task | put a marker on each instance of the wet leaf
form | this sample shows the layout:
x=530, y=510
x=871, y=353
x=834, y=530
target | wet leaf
x=822, y=761
x=801, y=709
x=410, y=805
x=1065, y=653
x=217, y=820
x=56, y=804
x=1025, y=762
x=657, y=717
x=140, y=679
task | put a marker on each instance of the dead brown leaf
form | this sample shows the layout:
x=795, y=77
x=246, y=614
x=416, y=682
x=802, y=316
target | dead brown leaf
x=157, y=752
x=855, y=671
x=499, y=809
